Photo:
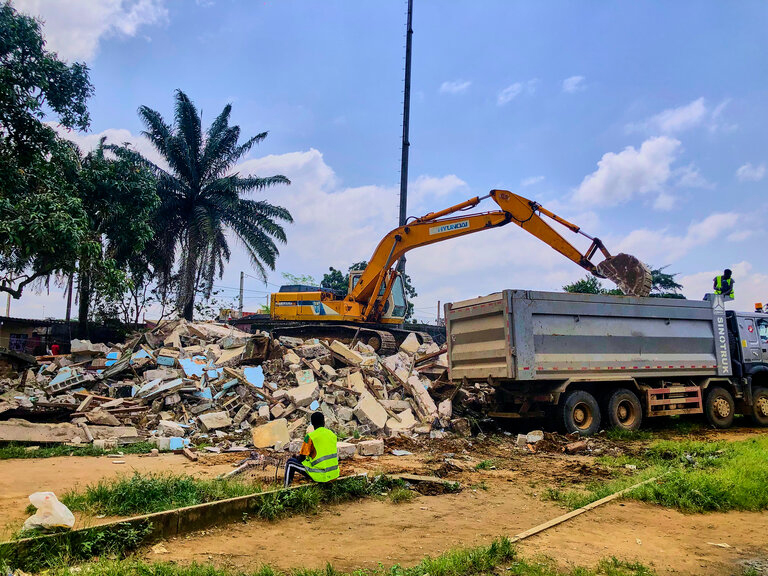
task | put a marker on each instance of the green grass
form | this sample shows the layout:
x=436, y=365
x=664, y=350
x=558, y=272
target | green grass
x=695, y=477
x=621, y=434
x=500, y=557
x=153, y=492
x=485, y=465
x=14, y=450
x=400, y=495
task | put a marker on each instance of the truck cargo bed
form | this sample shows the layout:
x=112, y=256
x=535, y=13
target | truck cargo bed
x=527, y=335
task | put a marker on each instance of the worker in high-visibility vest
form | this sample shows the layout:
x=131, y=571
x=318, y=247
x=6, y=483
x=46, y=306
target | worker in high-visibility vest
x=318, y=458
x=723, y=284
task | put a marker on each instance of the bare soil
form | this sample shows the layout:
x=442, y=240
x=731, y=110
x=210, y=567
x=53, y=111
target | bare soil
x=494, y=502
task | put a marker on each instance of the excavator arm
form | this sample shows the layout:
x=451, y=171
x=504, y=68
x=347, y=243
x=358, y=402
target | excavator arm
x=626, y=271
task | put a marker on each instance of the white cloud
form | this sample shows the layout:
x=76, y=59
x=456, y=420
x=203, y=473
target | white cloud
x=750, y=173
x=531, y=181
x=574, y=84
x=750, y=287
x=690, y=177
x=661, y=245
x=691, y=115
x=454, y=87
x=120, y=136
x=514, y=90
x=74, y=28
x=631, y=172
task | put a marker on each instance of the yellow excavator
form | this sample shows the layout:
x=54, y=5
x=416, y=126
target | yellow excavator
x=374, y=307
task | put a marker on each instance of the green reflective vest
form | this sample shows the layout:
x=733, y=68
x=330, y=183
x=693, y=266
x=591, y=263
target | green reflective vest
x=325, y=466
x=724, y=286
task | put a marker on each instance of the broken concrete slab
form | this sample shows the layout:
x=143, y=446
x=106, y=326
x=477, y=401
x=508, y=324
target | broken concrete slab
x=352, y=357
x=410, y=345
x=17, y=430
x=267, y=435
x=169, y=428
x=214, y=420
x=304, y=395
x=102, y=418
x=370, y=447
x=369, y=411
x=345, y=450
x=406, y=423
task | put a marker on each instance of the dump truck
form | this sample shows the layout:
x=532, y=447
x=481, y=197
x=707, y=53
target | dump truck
x=374, y=306
x=595, y=361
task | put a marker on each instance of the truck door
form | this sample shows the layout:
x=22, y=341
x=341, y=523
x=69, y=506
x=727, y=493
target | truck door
x=750, y=341
x=762, y=333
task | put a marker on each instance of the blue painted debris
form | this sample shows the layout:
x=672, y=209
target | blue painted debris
x=63, y=375
x=166, y=361
x=194, y=366
x=254, y=375
x=315, y=405
x=204, y=394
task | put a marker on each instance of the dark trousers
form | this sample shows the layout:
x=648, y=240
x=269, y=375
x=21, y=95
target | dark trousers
x=292, y=466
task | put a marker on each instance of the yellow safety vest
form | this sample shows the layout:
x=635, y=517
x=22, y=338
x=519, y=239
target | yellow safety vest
x=325, y=466
x=719, y=281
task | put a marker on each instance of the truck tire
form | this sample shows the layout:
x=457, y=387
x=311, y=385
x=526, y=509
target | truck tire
x=719, y=407
x=579, y=412
x=760, y=405
x=624, y=410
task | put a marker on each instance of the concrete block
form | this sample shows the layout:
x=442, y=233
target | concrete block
x=534, y=436
x=215, y=420
x=408, y=422
x=370, y=448
x=304, y=395
x=304, y=377
x=356, y=382
x=268, y=435
x=410, y=345
x=105, y=444
x=102, y=418
x=354, y=358
x=444, y=412
x=329, y=371
x=345, y=450
x=344, y=414
x=277, y=410
x=369, y=411
x=170, y=428
x=264, y=411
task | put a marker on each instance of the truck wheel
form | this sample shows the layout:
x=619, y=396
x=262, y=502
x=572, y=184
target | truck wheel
x=580, y=413
x=624, y=410
x=719, y=407
x=760, y=405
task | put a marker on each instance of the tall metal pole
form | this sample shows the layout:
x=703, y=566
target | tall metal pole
x=240, y=304
x=406, y=121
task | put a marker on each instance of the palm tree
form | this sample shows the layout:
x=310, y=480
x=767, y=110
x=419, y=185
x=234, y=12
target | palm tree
x=201, y=200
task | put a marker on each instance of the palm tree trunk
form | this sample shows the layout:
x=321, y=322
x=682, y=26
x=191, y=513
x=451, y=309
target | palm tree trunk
x=188, y=277
x=84, y=294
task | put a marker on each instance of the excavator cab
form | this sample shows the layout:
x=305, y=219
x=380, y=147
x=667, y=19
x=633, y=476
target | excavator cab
x=396, y=305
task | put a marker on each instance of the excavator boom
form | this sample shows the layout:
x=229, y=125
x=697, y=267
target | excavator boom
x=631, y=275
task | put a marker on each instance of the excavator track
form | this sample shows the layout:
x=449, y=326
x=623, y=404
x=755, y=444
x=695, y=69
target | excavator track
x=380, y=340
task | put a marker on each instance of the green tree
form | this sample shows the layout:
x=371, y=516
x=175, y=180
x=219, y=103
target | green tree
x=303, y=279
x=201, y=199
x=42, y=221
x=120, y=198
x=664, y=285
x=335, y=280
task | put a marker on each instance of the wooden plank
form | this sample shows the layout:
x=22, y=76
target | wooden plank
x=565, y=517
x=189, y=454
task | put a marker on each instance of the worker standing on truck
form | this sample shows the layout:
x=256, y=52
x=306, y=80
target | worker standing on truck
x=318, y=459
x=723, y=284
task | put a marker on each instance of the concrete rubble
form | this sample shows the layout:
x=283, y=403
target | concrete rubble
x=187, y=383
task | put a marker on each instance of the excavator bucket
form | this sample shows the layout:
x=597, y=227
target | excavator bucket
x=628, y=273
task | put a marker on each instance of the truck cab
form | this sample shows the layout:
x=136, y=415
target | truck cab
x=749, y=350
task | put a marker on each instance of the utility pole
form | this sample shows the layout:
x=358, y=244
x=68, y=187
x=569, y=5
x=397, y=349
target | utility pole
x=438, y=312
x=69, y=299
x=406, y=122
x=240, y=304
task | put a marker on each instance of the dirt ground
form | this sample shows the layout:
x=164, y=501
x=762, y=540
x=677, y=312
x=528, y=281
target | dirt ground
x=494, y=502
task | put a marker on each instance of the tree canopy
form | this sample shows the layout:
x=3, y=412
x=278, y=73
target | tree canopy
x=663, y=285
x=43, y=224
x=201, y=198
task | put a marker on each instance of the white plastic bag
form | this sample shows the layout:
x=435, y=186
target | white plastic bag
x=50, y=512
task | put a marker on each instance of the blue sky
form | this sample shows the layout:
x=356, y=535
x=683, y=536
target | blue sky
x=643, y=122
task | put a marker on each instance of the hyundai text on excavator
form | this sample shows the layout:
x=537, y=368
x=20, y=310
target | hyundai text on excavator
x=374, y=307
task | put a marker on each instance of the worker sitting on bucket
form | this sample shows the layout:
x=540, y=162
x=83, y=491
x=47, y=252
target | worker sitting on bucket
x=318, y=459
x=723, y=284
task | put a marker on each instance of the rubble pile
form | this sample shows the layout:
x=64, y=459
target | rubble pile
x=186, y=383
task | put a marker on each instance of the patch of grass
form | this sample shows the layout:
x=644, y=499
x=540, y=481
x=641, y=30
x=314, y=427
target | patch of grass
x=485, y=465
x=14, y=450
x=154, y=492
x=695, y=477
x=401, y=495
x=621, y=434
x=479, y=486
x=497, y=558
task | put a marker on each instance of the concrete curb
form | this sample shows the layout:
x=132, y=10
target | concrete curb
x=150, y=527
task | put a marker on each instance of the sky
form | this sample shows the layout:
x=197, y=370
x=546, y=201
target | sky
x=644, y=123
